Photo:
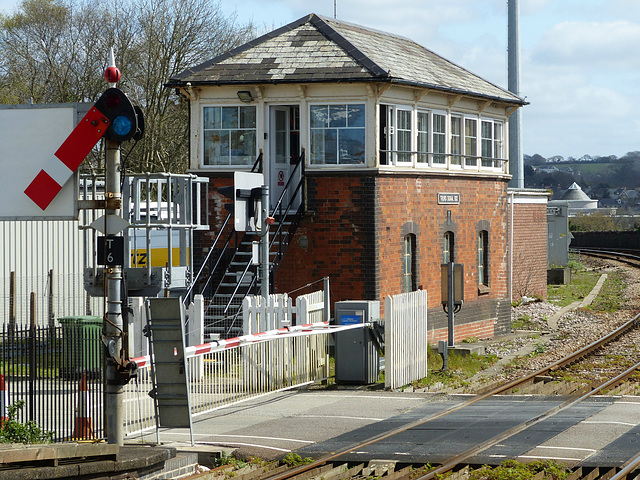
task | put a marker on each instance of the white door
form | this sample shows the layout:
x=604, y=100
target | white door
x=284, y=151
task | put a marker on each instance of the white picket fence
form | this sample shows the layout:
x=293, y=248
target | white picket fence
x=279, y=312
x=405, y=332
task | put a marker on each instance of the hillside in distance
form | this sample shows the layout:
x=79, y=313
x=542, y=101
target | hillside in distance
x=596, y=174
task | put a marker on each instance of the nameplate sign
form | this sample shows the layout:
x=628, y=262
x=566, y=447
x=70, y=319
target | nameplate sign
x=448, y=199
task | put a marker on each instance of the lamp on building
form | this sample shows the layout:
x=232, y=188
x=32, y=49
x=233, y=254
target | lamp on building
x=245, y=96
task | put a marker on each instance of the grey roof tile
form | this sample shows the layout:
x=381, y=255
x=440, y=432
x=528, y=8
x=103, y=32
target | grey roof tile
x=317, y=48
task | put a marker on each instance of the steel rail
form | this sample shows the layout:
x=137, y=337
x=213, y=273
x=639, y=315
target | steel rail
x=622, y=255
x=496, y=391
x=454, y=461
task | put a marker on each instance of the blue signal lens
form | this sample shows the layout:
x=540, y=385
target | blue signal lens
x=122, y=125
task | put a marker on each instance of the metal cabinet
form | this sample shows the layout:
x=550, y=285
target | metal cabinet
x=357, y=358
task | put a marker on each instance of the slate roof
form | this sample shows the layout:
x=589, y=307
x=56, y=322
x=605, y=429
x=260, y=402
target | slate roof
x=320, y=49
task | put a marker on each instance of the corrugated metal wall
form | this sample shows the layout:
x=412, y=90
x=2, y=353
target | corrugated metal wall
x=40, y=252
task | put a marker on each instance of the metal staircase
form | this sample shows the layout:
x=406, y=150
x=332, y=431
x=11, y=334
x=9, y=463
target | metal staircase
x=231, y=274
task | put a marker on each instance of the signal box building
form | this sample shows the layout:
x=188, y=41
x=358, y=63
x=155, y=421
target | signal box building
x=399, y=153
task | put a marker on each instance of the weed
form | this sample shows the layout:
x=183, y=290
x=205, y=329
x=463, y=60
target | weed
x=293, y=460
x=13, y=431
x=513, y=470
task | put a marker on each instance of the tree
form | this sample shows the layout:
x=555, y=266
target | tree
x=55, y=51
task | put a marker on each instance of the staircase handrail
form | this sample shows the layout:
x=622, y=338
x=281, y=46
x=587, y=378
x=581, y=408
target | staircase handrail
x=300, y=164
x=187, y=296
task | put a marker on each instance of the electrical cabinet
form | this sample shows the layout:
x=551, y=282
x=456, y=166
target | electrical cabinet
x=357, y=358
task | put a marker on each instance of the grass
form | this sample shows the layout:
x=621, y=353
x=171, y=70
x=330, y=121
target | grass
x=611, y=295
x=460, y=369
x=582, y=282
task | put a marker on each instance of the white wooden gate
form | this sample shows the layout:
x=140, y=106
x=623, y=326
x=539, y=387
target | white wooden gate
x=405, y=332
x=260, y=316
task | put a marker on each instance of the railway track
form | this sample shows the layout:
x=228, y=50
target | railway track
x=628, y=256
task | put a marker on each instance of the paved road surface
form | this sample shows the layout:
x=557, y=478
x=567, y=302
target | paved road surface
x=600, y=431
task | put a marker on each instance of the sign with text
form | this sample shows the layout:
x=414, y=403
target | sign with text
x=448, y=199
x=111, y=251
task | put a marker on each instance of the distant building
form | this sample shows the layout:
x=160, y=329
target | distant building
x=578, y=201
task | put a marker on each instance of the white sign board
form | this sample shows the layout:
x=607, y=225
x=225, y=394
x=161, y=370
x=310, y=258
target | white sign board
x=29, y=137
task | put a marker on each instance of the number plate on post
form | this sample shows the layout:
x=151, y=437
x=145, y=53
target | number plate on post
x=111, y=251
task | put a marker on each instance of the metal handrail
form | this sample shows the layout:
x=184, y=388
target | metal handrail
x=278, y=232
x=187, y=295
x=258, y=162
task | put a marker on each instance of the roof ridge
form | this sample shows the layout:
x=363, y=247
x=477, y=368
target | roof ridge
x=349, y=48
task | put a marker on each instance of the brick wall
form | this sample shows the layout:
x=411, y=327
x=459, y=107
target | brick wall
x=356, y=230
x=529, y=250
x=337, y=239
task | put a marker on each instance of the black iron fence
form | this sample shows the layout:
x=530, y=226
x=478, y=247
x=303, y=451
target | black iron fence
x=58, y=373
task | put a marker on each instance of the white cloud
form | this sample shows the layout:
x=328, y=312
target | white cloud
x=591, y=45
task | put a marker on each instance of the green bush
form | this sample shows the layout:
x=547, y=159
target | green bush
x=13, y=431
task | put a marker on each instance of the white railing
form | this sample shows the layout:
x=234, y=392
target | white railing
x=261, y=316
x=405, y=332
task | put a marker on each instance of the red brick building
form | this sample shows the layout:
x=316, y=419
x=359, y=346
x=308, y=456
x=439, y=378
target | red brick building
x=403, y=155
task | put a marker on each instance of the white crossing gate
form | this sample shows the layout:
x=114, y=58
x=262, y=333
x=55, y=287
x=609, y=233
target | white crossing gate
x=405, y=333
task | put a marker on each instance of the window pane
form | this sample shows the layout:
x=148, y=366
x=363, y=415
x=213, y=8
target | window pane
x=230, y=117
x=439, y=138
x=213, y=146
x=324, y=146
x=423, y=137
x=242, y=147
x=225, y=142
x=356, y=116
x=337, y=115
x=456, y=140
x=247, y=117
x=212, y=117
x=319, y=116
x=337, y=134
x=352, y=146
x=470, y=141
x=497, y=144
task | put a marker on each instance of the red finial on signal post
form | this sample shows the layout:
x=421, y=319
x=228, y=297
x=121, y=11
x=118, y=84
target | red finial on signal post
x=112, y=74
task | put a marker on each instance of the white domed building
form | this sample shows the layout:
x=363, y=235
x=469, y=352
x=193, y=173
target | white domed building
x=579, y=202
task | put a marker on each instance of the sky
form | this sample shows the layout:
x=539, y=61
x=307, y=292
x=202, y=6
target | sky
x=580, y=59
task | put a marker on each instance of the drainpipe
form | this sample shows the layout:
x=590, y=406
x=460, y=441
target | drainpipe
x=511, y=194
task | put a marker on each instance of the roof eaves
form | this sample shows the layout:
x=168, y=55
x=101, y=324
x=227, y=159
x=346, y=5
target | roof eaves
x=517, y=100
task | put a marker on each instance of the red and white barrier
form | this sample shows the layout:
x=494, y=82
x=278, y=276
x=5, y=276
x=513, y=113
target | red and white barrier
x=221, y=345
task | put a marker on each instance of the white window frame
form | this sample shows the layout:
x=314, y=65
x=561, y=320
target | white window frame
x=456, y=160
x=393, y=153
x=203, y=131
x=471, y=155
x=426, y=154
x=310, y=132
x=445, y=135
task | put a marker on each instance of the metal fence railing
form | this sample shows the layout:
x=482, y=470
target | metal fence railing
x=44, y=367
